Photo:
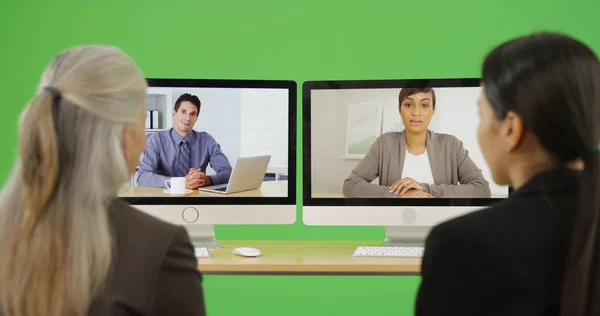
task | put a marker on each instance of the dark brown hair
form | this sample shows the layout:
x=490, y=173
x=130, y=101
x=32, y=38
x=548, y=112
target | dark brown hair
x=187, y=97
x=406, y=92
x=553, y=82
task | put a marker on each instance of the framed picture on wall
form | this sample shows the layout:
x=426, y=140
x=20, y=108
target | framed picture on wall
x=363, y=126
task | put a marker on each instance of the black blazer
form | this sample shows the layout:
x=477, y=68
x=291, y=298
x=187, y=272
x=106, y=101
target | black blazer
x=504, y=260
x=154, y=269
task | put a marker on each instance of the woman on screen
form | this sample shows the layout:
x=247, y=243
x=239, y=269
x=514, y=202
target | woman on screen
x=536, y=253
x=69, y=245
x=417, y=162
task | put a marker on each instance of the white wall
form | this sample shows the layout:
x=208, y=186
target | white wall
x=456, y=114
x=265, y=126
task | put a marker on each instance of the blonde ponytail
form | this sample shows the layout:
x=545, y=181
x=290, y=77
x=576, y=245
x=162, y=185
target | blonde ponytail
x=54, y=222
x=38, y=152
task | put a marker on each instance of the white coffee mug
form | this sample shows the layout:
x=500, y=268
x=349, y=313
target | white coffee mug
x=176, y=185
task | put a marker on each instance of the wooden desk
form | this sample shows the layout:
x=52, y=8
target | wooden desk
x=304, y=258
x=268, y=189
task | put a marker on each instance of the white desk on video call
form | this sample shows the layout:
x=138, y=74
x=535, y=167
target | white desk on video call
x=267, y=189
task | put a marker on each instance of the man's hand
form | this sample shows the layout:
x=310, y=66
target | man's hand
x=402, y=186
x=194, y=179
x=197, y=179
x=415, y=194
x=205, y=181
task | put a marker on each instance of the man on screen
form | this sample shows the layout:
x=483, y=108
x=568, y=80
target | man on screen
x=183, y=152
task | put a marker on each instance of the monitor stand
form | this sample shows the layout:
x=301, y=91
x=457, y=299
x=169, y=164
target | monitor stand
x=203, y=236
x=405, y=236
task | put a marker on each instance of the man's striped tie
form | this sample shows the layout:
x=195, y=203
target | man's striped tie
x=184, y=158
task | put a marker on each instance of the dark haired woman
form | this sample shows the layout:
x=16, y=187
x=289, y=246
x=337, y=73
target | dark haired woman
x=536, y=253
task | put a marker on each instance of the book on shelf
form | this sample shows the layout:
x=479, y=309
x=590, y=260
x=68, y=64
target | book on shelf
x=152, y=120
x=147, y=124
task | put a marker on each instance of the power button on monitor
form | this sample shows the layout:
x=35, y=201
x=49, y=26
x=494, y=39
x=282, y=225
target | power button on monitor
x=190, y=214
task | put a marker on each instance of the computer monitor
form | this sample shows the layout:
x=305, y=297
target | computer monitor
x=346, y=121
x=236, y=119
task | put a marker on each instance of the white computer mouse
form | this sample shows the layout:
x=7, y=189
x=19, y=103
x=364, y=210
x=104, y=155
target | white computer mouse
x=246, y=252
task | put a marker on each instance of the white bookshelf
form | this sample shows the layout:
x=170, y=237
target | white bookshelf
x=161, y=100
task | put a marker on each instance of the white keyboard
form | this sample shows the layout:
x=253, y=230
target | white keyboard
x=363, y=251
x=201, y=252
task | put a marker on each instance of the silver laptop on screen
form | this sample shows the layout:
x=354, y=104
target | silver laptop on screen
x=248, y=174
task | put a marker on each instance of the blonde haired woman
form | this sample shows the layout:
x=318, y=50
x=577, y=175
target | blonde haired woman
x=69, y=246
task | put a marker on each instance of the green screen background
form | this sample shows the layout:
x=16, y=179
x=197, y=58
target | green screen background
x=297, y=40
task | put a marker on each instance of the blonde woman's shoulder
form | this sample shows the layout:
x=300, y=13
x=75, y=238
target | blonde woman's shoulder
x=125, y=216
